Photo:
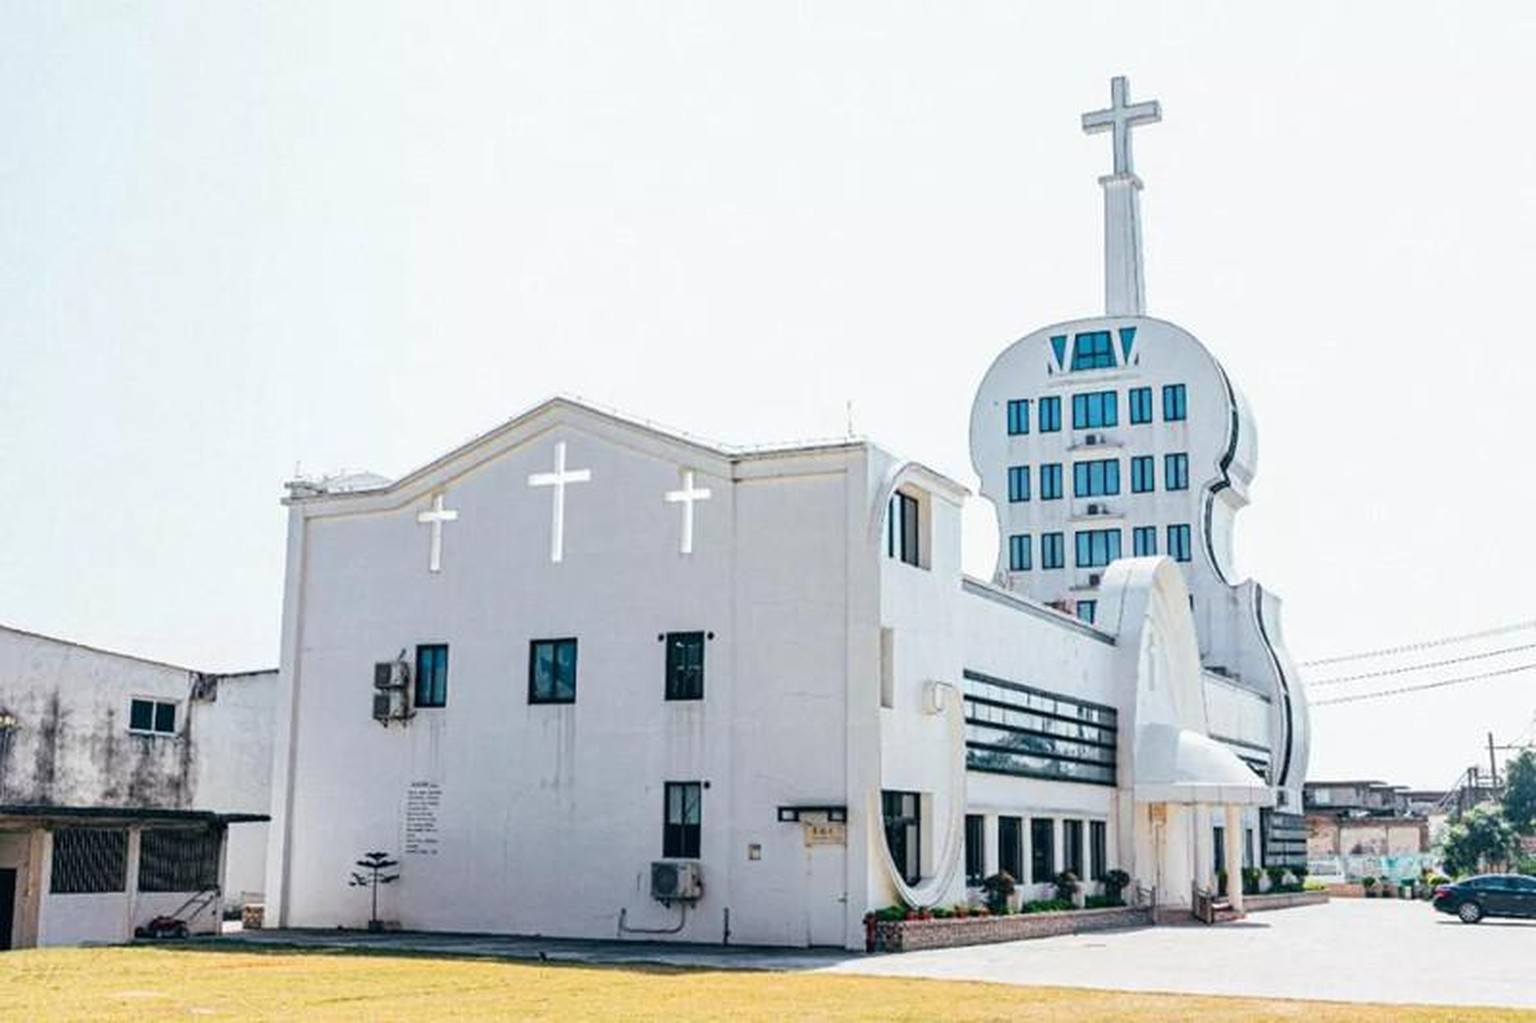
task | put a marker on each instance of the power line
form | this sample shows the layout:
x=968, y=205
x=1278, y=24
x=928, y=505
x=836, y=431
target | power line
x=1514, y=627
x=1421, y=667
x=1427, y=685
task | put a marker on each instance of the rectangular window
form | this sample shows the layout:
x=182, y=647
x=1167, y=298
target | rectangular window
x=1072, y=848
x=152, y=717
x=1140, y=400
x=681, y=830
x=1178, y=543
x=901, y=529
x=1018, y=553
x=1176, y=472
x=1050, y=414
x=1091, y=411
x=179, y=859
x=1096, y=547
x=975, y=849
x=552, y=671
x=432, y=675
x=1093, y=351
x=1019, y=730
x=1143, y=474
x=1096, y=478
x=1144, y=541
x=685, y=665
x=1018, y=483
x=1050, y=481
x=1018, y=416
x=89, y=860
x=1010, y=846
x=1052, y=550
x=1042, y=850
x=1086, y=610
x=1098, y=850
x=1219, y=848
x=903, y=832
x=1174, y=407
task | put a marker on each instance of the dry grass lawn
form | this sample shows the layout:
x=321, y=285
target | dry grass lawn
x=115, y=984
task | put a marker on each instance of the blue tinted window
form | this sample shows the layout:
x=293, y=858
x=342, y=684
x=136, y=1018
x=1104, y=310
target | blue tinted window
x=1090, y=411
x=1143, y=476
x=1018, y=483
x=1087, y=609
x=1176, y=472
x=1178, y=542
x=1018, y=416
x=1096, y=547
x=1059, y=346
x=1096, y=479
x=1018, y=553
x=432, y=675
x=1127, y=339
x=1093, y=351
x=1174, y=402
x=1140, y=400
x=1052, y=550
x=1050, y=481
x=552, y=671
x=1144, y=541
x=1050, y=415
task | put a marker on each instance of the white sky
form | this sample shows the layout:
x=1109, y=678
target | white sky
x=235, y=237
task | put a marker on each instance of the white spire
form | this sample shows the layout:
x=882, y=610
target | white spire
x=1124, y=289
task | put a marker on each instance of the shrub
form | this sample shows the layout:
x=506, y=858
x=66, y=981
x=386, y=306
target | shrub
x=1116, y=882
x=1103, y=901
x=1251, y=877
x=997, y=888
x=1066, y=885
x=1276, y=876
x=1046, y=906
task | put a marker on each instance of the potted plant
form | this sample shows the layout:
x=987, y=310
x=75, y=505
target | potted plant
x=1369, y=884
x=1115, y=884
x=1069, y=889
x=1251, y=877
x=997, y=890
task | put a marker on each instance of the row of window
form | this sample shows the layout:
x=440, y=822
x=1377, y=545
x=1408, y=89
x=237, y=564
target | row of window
x=1041, y=854
x=1011, y=728
x=552, y=670
x=1096, y=410
x=1095, y=548
x=1100, y=477
x=94, y=860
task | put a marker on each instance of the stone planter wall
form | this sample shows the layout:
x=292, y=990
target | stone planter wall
x=913, y=935
x=1282, y=900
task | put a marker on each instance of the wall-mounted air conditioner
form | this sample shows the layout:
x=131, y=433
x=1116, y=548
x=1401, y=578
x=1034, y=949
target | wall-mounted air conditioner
x=1097, y=508
x=1094, y=578
x=676, y=881
x=1095, y=439
x=391, y=688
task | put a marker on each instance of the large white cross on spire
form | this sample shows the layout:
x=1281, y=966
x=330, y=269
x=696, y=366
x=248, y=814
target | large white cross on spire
x=1124, y=288
x=558, y=479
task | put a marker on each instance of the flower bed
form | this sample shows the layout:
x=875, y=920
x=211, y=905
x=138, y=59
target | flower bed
x=912, y=935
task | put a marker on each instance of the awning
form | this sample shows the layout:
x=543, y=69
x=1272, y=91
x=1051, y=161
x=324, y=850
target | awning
x=131, y=814
x=1176, y=765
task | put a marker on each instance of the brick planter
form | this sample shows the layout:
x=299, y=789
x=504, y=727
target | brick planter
x=1282, y=900
x=913, y=935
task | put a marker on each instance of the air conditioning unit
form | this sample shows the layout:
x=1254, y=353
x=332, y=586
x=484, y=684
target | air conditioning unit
x=1094, y=578
x=391, y=674
x=391, y=683
x=676, y=881
x=1095, y=439
x=1097, y=509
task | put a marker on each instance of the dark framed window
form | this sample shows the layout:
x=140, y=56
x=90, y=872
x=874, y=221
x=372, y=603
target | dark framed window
x=432, y=675
x=1018, y=416
x=1093, y=350
x=1098, y=478
x=1052, y=550
x=1050, y=414
x=1098, y=850
x=1042, y=850
x=1176, y=471
x=1218, y=848
x=685, y=665
x=1094, y=410
x=1175, y=406
x=975, y=849
x=1178, y=542
x=683, y=819
x=1096, y=547
x=1012, y=728
x=1010, y=846
x=1144, y=541
x=1140, y=401
x=179, y=859
x=902, y=812
x=152, y=717
x=1050, y=481
x=552, y=671
x=1018, y=553
x=1143, y=474
x=901, y=529
x=1018, y=483
x=1072, y=848
x=89, y=860
x=1087, y=610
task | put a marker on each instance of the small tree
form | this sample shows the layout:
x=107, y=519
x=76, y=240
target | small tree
x=1480, y=837
x=374, y=865
x=997, y=888
x=1520, y=793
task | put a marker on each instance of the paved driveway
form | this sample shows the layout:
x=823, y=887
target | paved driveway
x=1348, y=950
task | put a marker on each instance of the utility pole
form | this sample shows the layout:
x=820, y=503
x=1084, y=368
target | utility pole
x=1493, y=764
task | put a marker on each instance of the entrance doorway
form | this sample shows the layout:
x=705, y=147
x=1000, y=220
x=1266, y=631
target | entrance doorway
x=7, y=907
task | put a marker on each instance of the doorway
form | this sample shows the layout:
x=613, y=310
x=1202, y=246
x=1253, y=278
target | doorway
x=7, y=907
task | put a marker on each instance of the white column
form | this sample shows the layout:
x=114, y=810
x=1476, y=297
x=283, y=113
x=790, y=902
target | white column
x=1234, y=866
x=1124, y=290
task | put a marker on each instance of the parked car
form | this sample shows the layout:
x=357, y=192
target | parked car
x=1488, y=895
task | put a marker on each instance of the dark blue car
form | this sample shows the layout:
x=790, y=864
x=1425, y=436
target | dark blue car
x=1488, y=895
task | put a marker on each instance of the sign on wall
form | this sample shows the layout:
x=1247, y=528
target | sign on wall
x=423, y=799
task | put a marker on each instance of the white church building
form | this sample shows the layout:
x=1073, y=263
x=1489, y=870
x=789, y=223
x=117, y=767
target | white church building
x=590, y=678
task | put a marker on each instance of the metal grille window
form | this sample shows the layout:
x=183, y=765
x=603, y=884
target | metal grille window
x=680, y=837
x=685, y=665
x=87, y=860
x=178, y=859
